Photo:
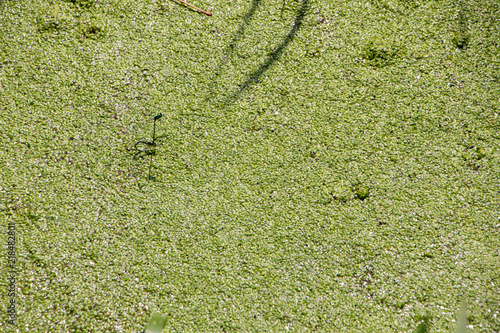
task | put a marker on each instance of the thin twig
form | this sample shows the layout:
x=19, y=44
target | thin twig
x=196, y=8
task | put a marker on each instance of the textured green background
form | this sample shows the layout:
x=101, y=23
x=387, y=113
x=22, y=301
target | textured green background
x=277, y=116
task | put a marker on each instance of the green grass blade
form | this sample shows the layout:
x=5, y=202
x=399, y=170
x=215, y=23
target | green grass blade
x=462, y=319
x=156, y=323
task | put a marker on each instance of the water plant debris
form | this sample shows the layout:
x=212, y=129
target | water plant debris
x=195, y=8
x=143, y=147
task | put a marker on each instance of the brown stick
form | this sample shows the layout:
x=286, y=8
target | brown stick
x=196, y=8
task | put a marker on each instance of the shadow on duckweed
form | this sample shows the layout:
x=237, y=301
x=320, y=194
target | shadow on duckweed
x=274, y=56
x=461, y=38
x=239, y=34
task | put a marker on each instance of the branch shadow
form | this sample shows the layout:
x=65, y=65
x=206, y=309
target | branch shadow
x=271, y=59
x=273, y=56
x=239, y=34
x=232, y=45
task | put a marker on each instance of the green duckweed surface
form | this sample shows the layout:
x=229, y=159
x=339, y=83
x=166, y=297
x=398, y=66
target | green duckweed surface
x=321, y=165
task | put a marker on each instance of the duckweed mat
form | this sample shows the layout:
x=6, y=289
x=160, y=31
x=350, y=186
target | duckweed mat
x=321, y=165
